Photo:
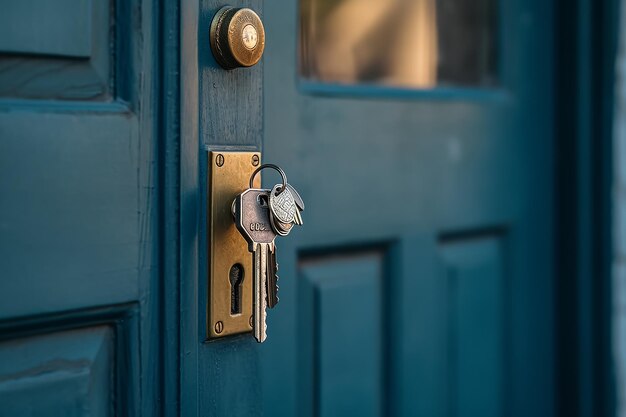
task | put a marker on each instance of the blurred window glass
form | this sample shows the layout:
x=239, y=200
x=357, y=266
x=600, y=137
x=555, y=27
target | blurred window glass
x=401, y=43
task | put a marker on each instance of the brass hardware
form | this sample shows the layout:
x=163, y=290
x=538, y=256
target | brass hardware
x=228, y=175
x=237, y=37
x=219, y=327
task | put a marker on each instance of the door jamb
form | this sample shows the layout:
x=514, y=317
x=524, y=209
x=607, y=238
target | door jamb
x=586, y=45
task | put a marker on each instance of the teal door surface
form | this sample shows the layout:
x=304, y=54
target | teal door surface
x=80, y=300
x=422, y=281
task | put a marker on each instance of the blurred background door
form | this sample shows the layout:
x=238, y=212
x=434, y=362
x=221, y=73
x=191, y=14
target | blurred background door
x=420, y=134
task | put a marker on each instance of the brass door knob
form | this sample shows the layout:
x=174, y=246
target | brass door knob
x=237, y=37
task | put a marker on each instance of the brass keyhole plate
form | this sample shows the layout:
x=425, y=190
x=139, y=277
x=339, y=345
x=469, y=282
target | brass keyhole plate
x=228, y=175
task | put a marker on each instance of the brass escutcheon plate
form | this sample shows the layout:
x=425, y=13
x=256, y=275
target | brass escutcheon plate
x=228, y=175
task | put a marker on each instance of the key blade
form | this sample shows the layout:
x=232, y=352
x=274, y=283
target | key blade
x=260, y=285
x=272, y=280
x=298, y=218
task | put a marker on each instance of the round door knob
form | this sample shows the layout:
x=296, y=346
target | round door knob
x=237, y=37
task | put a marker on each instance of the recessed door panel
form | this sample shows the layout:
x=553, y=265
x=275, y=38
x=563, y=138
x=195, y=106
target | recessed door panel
x=476, y=322
x=341, y=306
x=68, y=373
x=68, y=50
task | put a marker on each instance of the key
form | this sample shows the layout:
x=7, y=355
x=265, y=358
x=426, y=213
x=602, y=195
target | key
x=298, y=218
x=299, y=205
x=252, y=218
x=272, y=281
x=281, y=229
x=283, y=209
x=298, y=200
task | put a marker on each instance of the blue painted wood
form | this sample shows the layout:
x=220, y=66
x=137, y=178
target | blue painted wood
x=102, y=201
x=414, y=171
x=66, y=373
x=218, y=109
x=86, y=247
x=383, y=91
x=477, y=323
x=344, y=299
x=64, y=50
x=27, y=27
x=170, y=306
x=79, y=218
x=585, y=89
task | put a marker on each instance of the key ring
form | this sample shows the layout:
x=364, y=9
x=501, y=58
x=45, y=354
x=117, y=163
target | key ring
x=274, y=167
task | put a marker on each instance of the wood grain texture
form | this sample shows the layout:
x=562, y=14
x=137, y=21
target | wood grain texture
x=52, y=78
x=26, y=27
x=231, y=102
x=67, y=373
x=80, y=207
x=218, y=109
x=169, y=161
x=62, y=51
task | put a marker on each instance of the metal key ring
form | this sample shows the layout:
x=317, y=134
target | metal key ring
x=274, y=167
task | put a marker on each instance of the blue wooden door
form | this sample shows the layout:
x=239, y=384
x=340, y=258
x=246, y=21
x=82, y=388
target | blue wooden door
x=421, y=283
x=79, y=208
x=420, y=135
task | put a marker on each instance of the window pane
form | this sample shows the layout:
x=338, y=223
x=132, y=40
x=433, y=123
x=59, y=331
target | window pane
x=403, y=43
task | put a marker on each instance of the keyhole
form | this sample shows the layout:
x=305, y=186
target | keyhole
x=236, y=278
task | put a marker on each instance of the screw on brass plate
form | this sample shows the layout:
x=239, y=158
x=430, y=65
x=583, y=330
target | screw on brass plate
x=219, y=159
x=251, y=321
x=219, y=327
x=255, y=160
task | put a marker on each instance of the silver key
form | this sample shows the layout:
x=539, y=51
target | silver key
x=286, y=206
x=252, y=218
x=282, y=209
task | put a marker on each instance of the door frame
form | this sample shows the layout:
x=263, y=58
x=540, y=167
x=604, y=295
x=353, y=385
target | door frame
x=172, y=126
x=586, y=39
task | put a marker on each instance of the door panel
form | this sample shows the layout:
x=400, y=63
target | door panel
x=421, y=283
x=456, y=185
x=475, y=300
x=86, y=248
x=79, y=293
x=341, y=366
x=65, y=373
x=68, y=57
